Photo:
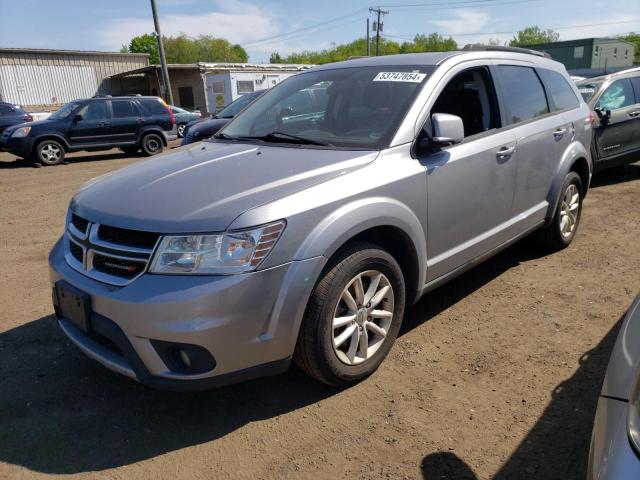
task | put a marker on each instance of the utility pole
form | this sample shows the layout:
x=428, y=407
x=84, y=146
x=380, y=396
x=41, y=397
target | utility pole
x=368, y=40
x=168, y=96
x=377, y=26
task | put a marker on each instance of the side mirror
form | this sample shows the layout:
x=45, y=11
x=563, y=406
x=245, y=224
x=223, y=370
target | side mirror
x=603, y=114
x=447, y=129
x=77, y=118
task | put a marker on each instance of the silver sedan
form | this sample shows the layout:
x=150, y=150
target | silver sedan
x=615, y=443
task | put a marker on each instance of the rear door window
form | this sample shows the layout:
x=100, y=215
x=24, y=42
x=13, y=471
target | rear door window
x=558, y=88
x=123, y=109
x=522, y=93
x=618, y=95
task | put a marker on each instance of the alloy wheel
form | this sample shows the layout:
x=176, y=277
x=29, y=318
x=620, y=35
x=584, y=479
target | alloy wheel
x=569, y=211
x=362, y=317
x=50, y=152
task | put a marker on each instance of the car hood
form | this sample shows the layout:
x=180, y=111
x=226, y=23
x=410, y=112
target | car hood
x=203, y=187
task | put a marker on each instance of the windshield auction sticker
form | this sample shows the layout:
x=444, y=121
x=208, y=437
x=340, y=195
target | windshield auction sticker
x=411, y=77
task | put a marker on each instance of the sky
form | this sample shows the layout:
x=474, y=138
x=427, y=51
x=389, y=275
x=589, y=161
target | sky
x=266, y=26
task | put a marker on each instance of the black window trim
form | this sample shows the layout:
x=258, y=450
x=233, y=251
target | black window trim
x=503, y=105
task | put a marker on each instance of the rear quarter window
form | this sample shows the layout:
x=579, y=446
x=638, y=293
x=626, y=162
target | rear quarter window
x=153, y=107
x=6, y=110
x=558, y=88
x=522, y=93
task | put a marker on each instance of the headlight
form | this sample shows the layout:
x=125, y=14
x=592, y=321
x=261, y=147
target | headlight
x=21, y=132
x=226, y=253
x=633, y=418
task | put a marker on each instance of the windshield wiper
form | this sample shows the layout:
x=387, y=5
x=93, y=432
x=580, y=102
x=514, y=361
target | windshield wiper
x=274, y=137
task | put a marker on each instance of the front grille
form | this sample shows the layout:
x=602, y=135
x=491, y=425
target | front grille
x=76, y=250
x=118, y=267
x=80, y=223
x=108, y=254
x=126, y=237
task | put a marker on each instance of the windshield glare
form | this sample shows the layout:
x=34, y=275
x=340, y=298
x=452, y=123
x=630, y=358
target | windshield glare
x=354, y=107
x=64, y=112
x=234, y=107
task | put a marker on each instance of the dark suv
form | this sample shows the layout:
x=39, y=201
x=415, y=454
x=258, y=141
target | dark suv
x=129, y=123
x=11, y=114
x=615, y=99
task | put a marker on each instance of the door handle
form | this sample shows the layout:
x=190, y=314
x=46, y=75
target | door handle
x=634, y=114
x=559, y=133
x=505, y=152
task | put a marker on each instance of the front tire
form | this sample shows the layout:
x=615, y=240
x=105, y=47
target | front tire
x=353, y=316
x=563, y=227
x=151, y=144
x=49, y=152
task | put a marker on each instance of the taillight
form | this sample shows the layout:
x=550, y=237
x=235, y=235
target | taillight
x=592, y=119
x=28, y=118
x=173, y=118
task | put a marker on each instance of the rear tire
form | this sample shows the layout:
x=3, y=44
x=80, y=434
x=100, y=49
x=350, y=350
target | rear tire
x=151, y=144
x=49, y=152
x=563, y=227
x=342, y=342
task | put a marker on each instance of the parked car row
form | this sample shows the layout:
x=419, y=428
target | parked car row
x=11, y=114
x=129, y=123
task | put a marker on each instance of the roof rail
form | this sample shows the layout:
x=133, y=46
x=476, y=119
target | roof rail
x=100, y=95
x=476, y=47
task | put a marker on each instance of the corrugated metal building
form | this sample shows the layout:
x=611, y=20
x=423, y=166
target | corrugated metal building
x=204, y=86
x=41, y=79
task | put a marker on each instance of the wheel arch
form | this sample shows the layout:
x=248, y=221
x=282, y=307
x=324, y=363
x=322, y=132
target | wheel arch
x=157, y=131
x=384, y=222
x=50, y=136
x=575, y=159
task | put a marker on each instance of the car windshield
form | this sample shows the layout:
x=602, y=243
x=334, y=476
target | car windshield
x=353, y=107
x=64, y=112
x=237, y=105
x=587, y=89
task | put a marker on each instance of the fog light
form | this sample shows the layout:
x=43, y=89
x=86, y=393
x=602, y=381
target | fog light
x=184, y=357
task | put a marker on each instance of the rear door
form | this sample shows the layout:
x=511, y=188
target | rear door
x=125, y=121
x=618, y=134
x=541, y=135
x=91, y=128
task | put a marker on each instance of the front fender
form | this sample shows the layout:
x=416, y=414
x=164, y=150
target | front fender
x=355, y=217
x=573, y=152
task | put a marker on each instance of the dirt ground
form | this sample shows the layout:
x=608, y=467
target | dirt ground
x=495, y=375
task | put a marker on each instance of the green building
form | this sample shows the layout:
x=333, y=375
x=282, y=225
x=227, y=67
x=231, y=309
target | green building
x=590, y=53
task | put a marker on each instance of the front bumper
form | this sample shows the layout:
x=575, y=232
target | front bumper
x=248, y=322
x=21, y=147
x=611, y=456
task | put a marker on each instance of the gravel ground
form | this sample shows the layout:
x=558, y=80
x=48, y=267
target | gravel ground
x=495, y=375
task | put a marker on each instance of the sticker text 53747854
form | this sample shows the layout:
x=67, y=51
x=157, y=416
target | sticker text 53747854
x=411, y=77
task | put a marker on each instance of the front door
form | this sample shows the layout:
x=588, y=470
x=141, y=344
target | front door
x=470, y=186
x=617, y=134
x=92, y=127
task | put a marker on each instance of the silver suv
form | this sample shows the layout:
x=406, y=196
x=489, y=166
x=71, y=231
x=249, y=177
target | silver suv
x=303, y=229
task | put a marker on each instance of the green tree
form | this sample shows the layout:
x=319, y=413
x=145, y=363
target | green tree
x=275, y=58
x=434, y=42
x=185, y=49
x=534, y=35
x=145, y=44
x=634, y=38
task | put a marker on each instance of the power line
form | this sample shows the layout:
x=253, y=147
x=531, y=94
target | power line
x=304, y=29
x=459, y=3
